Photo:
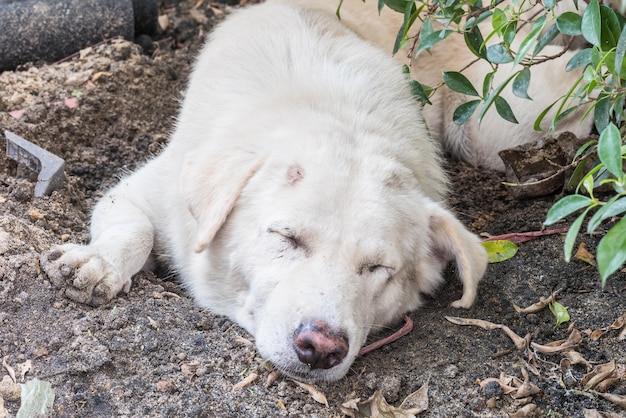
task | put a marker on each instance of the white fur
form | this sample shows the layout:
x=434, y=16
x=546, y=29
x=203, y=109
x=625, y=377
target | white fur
x=300, y=184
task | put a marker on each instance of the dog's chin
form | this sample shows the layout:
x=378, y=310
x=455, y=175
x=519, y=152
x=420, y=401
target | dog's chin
x=304, y=374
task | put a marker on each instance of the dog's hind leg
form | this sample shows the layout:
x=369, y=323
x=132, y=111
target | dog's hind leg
x=122, y=238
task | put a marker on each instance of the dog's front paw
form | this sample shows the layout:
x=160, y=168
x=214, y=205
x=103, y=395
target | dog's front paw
x=84, y=274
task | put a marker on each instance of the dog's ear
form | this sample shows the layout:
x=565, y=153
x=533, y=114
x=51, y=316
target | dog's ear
x=451, y=241
x=210, y=186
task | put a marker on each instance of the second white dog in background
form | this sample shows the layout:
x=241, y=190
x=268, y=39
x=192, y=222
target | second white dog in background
x=478, y=145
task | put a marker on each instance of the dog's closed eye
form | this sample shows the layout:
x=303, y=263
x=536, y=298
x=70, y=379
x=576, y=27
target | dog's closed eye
x=373, y=268
x=289, y=237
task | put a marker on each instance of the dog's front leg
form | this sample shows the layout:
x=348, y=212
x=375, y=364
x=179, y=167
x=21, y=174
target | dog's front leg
x=122, y=238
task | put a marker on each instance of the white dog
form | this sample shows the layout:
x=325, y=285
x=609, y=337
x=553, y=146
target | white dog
x=300, y=195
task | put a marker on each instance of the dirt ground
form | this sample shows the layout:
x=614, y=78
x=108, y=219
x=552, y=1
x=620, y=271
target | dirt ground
x=153, y=353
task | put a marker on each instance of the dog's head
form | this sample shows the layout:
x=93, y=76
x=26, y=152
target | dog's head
x=321, y=250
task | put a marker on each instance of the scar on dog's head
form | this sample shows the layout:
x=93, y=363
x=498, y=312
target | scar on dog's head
x=295, y=173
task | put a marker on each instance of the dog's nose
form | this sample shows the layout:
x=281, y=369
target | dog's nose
x=319, y=346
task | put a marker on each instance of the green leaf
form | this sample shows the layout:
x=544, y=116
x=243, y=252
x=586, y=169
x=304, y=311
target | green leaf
x=588, y=183
x=521, y=83
x=400, y=40
x=560, y=312
x=431, y=40
x=426, y=28
x=577, y=175
x=621, y=49
x=572, y=233
x=610, y=28
x=618, y=108
x=609, y=150
x=481, y=18
x=487, y=83
x=492, y=97
x=582, y=57
x=504, y=109
x=498, y=54
x=530, y=39
x=418, y=92
x=569, y=23
x=546, y=39
x=542, y=115
x=459, y=83
x=397, y=5
x=615, y=206
x=464, y=112
x=498, y=20
x=584, y=148
x=474, y=41
x=611, y=252
x=549, y=4
x=615, y=209
x=509, y=33
x=410, y=14
x=590, y=24
x=602, y=112
x=566, y=206
x=500, y=250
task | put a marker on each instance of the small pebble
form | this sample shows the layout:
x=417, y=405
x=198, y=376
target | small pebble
x=451, y=371
x=35, y=215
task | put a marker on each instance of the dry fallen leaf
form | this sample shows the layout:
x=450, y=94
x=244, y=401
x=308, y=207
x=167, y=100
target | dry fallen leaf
x=416, y=402
x=619, y=400
x=527, y=388
x=280, y=404
x=537, y=306
x=164, y=22
x=314, y=392
x=560, y=346
x=616, y=325
x=576, y=358
x=9, y=369
x=375, y=407
x=598, y=374
x=24, y=368
x=524, y=411
x=594, y=413
x=243, y=340
x=520, y=343
x=583, y=254
x=43, y=351
x=219, y=13
x=504, y=385
x=9, y=390
x=271, y=378
x=97, y=76
x=198, y=16
x=246, y=381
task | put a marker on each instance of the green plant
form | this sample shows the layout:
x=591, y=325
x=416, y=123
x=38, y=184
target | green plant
x=518, y=33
